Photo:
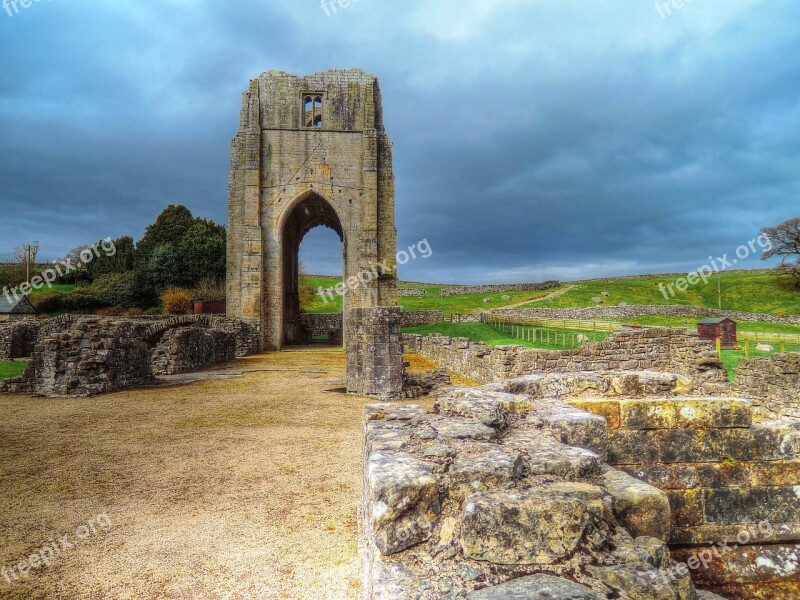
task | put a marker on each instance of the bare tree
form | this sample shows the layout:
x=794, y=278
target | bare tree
x=785, y=242
x=26, y=255
x=73, y=259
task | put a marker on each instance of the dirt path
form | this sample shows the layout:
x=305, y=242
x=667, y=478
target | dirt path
x=551, y=296
x=240, y=488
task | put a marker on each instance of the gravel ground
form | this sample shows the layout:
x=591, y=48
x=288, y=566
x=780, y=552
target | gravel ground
x=239, y=488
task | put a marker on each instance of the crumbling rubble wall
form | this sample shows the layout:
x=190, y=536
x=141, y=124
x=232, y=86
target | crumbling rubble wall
x=573, y=484
x=774, y=381
x=675, y=351
x=18, y=338
x=188, y=349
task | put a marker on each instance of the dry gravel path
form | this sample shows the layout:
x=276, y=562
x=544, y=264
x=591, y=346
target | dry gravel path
x=238, y=488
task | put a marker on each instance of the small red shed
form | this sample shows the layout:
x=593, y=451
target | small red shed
x=213, y=307
x=718, y=329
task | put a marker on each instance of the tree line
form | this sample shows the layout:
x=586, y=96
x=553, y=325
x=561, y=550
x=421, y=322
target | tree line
x=178, y=250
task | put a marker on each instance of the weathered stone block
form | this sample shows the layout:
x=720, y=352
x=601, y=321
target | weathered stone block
x=638, y=582
x=755, y=572
x=535, y=527
x=688, y=508
x=537, y=587
x=404, y=500
x=734, y=505
x=575, y=427
x=647, y=414
x=642, y=509
x=626, y=447
x=543, y=455
x=484, y=467
x=608, y=409
x=493, y=409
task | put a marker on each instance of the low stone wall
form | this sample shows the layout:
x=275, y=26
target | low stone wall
x=672, y=350
x=411, y=293
x=85, y=356
x=421, y=317
x=633, y=311
x=323, y=324
x=94, y=356
x=18, y=338
x=189, y=349
x=246, y=330
x=493, y=493
x=480, y=500
x=774, y=381
x=730, y=483
x=459, y=290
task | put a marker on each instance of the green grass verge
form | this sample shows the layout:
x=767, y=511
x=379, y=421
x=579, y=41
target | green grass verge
x=477, y=332
x=11, y=369
x=547, y=339
x=53, y=288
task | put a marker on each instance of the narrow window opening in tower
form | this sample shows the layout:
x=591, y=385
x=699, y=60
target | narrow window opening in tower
x=312, y=111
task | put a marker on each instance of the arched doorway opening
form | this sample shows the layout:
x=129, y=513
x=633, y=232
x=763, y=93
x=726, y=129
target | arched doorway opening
x=310, y=212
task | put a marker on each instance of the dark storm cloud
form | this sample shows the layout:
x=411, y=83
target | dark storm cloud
x=532, y=139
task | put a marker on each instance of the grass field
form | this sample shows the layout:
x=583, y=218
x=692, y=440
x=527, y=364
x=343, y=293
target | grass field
x=756, y=291
x=54, y=288
x=549, y=339
x=12, y=369
x=750, y=292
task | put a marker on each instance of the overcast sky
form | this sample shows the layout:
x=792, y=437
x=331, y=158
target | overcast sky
x=533, y=139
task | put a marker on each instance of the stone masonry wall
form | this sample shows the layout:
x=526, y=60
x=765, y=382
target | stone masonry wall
x=491, y=495
x=83, y=356
x=18, y=338
x=189, y=349
x=322, y=324
x=458, y=290
x=732, y=485
x=480, y=499
x=675, y=351
x=774, y=381
x=422, y=317
x=411, y=293
x=633, y=311
x=94, y=356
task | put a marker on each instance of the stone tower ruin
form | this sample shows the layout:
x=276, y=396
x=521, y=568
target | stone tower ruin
x=312, y=151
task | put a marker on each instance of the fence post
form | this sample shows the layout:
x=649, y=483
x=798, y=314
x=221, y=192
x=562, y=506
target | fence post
x=719, y=347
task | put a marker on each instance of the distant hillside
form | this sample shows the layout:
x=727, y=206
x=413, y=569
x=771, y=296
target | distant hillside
x=750, y=291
